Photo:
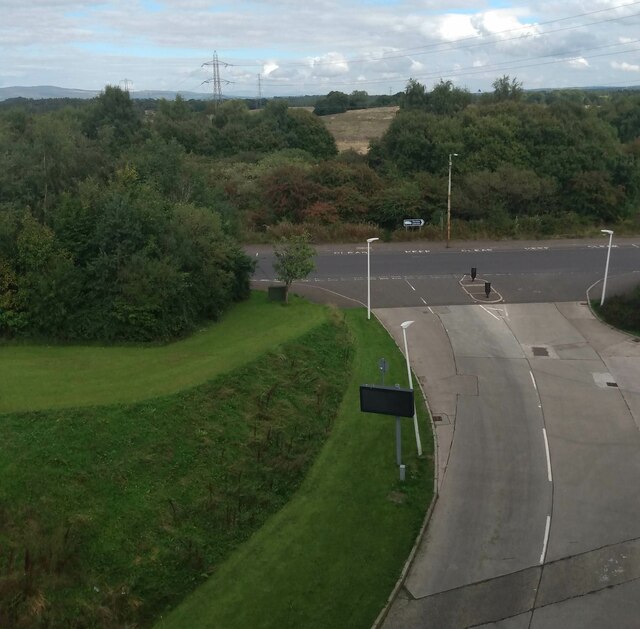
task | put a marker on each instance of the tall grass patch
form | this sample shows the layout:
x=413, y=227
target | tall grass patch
x=110, y=515
x=622, y=311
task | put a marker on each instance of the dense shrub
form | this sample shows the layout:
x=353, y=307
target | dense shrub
x=623, y=311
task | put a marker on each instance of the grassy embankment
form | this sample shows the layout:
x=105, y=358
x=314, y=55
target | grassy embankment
x=111, y=514
x=621, y=311
x=331, y=557
x=34, y=377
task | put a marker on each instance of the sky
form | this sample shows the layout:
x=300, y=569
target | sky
x=292, y=47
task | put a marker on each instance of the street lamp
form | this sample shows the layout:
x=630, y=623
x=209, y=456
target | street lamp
x=369, y=241
x=449, y=201
x=606, y=268
x=404, y=327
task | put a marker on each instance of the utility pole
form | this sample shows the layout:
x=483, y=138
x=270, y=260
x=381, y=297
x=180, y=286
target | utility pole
x=259, y=104
x=126, y=83
x=215, y=79
x=449, y=202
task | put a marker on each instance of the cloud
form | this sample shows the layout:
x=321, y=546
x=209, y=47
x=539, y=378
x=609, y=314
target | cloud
x=309, y=47
x=269, y=67
x=625, y=67
x=579, y=62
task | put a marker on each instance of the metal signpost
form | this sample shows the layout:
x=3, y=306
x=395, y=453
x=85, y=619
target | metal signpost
x=389, y=401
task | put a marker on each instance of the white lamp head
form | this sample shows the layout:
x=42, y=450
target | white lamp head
x=607, y=231
x=372, y=239
x=406, y=324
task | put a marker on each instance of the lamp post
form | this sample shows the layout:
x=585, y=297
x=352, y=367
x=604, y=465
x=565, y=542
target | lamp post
x=404, y=327
x=606, y=268
x=369, y=241
x=449, y=201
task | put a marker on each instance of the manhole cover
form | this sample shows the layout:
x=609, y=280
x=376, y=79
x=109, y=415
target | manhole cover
x=540, y=351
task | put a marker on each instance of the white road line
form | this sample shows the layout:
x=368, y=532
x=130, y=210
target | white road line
x=423, y=301
x=491, y=313
x=431, y=311
x=546, y=448
x=408, y=282
x=535, y=386
x=546, y=539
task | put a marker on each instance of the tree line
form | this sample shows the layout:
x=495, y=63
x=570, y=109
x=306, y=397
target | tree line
x=122, y=223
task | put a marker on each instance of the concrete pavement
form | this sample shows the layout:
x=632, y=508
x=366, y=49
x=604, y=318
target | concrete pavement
x=538, y=461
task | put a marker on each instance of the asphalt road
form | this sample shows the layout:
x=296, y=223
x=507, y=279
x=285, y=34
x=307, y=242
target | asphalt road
x=429, y=274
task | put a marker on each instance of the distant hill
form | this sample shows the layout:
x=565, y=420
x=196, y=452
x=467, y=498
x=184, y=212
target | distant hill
x=50, y=91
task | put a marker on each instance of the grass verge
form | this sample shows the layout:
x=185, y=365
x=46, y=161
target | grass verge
x=34, y=377
x=332, y=555
x=621, y=311
x=110, y=515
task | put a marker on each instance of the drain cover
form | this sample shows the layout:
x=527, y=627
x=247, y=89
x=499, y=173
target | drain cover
x=437, y=418
x=612, y=384
x=540, y=351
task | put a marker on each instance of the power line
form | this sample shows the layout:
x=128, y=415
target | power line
x=448, y=46
x=470, y=71
x=435, y=48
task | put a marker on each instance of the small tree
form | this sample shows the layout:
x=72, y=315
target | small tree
x=294, y=260
x=506, y=88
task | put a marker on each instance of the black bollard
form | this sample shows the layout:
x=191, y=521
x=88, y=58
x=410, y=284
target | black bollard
x=474, y=272
x=487, y=289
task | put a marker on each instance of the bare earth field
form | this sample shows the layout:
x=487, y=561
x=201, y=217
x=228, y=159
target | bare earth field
x=355, y=129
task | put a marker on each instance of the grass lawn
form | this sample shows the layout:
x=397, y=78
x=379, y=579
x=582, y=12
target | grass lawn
x=109, y=515
x=262, y=494
x=331, y=556
x=34, y=377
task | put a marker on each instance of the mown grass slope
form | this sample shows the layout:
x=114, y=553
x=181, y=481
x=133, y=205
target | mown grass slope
x=331, y=556
x=34, y=377
x=111, y=514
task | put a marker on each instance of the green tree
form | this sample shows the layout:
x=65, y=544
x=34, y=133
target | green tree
x=445, y=99
x=506, y=88
x=358, y=99
x=175, y=121
x=294, y=260
x=332, y=103
x=113, y=118
x=414, y=96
